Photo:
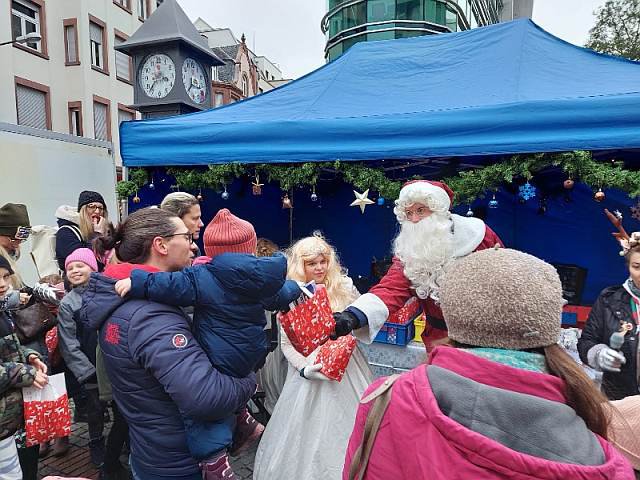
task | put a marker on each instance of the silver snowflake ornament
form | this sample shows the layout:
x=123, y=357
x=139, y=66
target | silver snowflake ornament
x=527, y=191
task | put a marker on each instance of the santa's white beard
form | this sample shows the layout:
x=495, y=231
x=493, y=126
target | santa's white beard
x=425, y=250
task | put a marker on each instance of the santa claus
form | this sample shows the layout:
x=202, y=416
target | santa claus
x=430, y=239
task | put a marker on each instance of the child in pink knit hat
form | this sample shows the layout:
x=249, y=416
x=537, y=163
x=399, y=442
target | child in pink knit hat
x=78, y=346
x=230, y=290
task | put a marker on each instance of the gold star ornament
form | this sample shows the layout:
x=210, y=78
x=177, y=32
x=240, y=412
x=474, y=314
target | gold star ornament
x=361, y=200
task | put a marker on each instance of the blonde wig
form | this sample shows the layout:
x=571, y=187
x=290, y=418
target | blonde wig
x=339, y=287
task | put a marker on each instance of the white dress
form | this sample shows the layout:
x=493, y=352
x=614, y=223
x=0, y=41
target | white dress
x=307, y=436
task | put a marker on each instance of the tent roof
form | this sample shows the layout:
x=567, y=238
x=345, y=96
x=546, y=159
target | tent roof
x=503, y=89
x=168, y=23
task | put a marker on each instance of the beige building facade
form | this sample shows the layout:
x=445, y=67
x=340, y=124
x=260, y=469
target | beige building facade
x=72, y=81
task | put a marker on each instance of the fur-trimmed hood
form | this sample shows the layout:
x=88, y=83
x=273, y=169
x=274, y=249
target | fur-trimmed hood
x=68, y=213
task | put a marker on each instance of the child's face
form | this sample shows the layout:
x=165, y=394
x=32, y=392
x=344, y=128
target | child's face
x=5, y=282
x=316, y=269
x=78, y=273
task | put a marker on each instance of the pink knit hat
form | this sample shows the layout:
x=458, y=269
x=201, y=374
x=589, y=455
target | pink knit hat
x=228, y=233
x=83, y=255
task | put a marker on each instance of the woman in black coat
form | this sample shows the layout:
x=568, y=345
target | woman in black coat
x=609, y=341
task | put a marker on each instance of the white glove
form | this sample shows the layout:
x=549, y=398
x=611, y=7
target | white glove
x=610, y=360
x=312, y=372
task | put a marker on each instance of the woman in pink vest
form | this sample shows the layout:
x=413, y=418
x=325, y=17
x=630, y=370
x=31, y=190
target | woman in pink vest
x=503, y=401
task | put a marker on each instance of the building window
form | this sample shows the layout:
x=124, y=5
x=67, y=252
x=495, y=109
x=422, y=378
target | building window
x=124, y=65
x=125, y=114
x=214, y=74
x=245, y=86
x=28, y=17
x=409, y=10
x=101, y=118
x=33, y=105
x=124, y=4
x=75, y=118
x=143, y=10
x=218, y=100
x=98, y=44
x=71, y=56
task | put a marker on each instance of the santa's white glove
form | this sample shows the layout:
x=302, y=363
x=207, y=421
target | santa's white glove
x=610, y=360
x=312, y=372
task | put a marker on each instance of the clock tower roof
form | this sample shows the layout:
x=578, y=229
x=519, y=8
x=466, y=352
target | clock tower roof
x=168, y=23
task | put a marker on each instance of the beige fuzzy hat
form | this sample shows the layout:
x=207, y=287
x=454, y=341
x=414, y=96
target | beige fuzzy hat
x=502, y=298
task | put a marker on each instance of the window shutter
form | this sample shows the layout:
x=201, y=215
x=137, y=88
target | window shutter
x=124, y=116
x=122, y=62
x=100, y=121
x=72, y=48
x=32, y=107
x=95, y=33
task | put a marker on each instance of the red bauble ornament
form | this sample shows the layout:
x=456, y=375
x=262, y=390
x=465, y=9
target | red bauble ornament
x=568, y=184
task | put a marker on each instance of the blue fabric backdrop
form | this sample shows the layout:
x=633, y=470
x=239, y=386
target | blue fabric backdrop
x=506, y=88
x=569, y=232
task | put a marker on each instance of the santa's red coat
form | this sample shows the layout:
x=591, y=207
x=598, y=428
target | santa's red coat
x=394, y=289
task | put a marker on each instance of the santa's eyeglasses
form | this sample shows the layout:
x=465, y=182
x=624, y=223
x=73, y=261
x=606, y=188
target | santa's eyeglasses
x=420, y=212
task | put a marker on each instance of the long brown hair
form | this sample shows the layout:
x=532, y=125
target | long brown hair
x=582, y=395
x=132, y=238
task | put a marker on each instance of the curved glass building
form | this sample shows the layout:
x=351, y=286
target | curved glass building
x=348, y=22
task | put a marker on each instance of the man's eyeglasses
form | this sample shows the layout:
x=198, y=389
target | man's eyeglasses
x=188, y=236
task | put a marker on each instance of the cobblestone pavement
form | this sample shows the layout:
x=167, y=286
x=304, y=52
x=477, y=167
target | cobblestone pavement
x=76, y=462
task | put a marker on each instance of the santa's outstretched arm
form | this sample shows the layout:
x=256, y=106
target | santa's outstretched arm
x=367, y=314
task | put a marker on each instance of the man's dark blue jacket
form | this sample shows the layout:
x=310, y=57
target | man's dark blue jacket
x=159, y=374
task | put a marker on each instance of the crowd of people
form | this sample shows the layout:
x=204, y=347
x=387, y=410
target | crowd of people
x=175, y=343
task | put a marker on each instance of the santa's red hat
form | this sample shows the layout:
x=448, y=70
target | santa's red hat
x=423, y=189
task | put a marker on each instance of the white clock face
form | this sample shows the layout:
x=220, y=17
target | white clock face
x=194, y=80
x=157, y=75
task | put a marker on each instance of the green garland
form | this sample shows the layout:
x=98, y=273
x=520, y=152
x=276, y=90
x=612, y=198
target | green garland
x=579, y=165
x=467, y=185
x=138, y=177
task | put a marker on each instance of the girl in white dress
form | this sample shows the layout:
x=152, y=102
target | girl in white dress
x=307, y=436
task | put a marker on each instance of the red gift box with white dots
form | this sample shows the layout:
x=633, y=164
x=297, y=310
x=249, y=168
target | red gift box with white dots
x=334, y=356
x=309, y=324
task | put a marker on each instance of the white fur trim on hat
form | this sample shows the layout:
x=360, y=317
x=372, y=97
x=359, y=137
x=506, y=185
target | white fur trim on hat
x=424, y=190
x=468, y=233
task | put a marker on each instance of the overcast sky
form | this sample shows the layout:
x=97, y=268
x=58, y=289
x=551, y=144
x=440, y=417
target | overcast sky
x=288, y=31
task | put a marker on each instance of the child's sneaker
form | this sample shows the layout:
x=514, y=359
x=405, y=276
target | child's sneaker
x=217, y=468
x=247, y=431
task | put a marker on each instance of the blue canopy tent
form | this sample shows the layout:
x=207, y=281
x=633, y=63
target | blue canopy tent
x=504, y=89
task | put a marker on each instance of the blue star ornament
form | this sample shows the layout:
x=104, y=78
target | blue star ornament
x=527, y=191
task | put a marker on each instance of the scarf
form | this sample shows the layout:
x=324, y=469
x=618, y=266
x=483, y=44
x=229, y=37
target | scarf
x=534, y=362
